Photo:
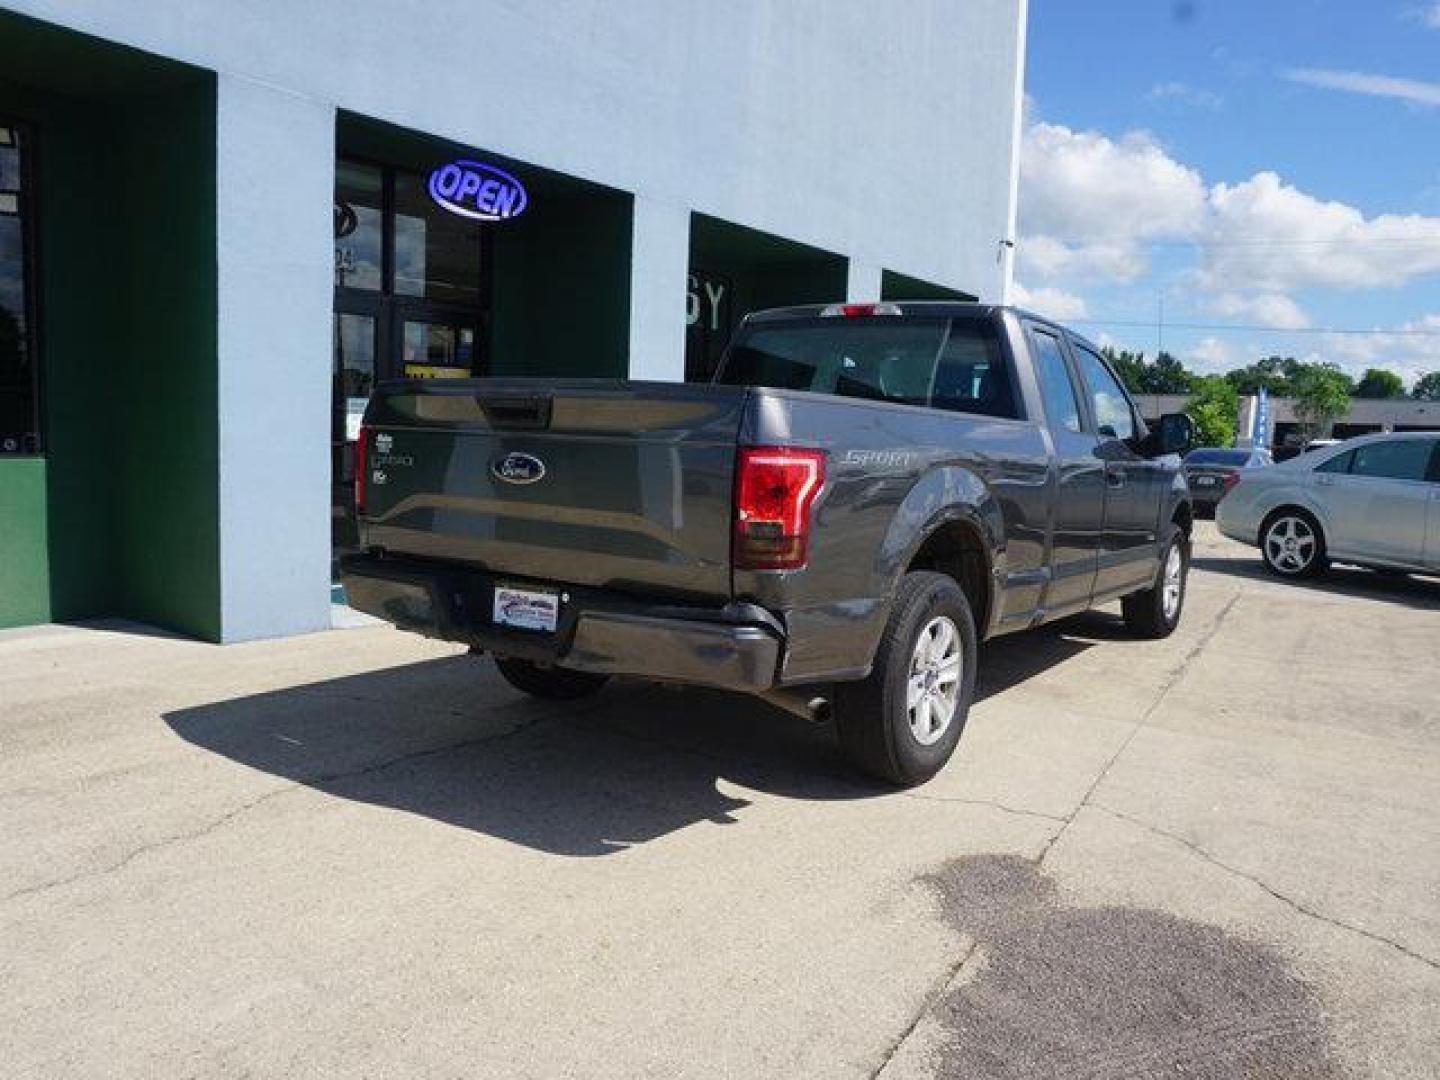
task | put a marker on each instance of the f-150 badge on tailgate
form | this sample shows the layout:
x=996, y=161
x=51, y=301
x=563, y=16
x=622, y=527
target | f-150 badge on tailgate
x=518, y=468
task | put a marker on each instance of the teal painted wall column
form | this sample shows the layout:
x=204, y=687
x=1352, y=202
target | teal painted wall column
x=275, y=184
x=24, y=558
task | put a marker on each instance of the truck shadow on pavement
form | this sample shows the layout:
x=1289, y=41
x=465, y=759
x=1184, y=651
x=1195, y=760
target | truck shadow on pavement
x=449, y=740
x=1351, y=581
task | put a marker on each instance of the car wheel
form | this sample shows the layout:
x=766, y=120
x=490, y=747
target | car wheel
x=1155, y=612
x=547, y=681
x=1292, y=544
x=901, y=723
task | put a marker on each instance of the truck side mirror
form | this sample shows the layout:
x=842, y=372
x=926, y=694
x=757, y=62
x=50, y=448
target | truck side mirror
x=1175, y=434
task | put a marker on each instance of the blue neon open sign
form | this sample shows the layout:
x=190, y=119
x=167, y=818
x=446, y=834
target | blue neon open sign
x=475, y=190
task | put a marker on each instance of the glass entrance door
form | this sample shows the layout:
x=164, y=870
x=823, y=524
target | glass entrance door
x=412, y=287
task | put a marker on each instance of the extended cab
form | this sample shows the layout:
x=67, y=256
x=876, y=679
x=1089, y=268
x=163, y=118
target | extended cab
x=863, y=494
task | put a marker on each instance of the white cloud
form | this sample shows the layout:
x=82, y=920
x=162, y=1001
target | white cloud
x=1266, y=235
x=1184, y=94
x=1414, y=91
x=1266, y=309
x=1214, y=356
x=1410, y=350
x=1090, y=203
x=1055, y=303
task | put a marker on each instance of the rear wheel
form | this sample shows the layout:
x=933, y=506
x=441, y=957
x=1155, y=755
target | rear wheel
x=1155, y=612
x=901, y=723
x=1292, y=544
x=547, y=681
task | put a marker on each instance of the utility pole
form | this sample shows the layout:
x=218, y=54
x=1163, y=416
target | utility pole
x=1159, y=325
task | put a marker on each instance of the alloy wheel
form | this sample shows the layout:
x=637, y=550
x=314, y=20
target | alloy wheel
x=933, y=690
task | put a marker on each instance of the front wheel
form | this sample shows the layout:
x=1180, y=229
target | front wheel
x=1292, y=545
x=901, y=723
x=547, y=681
x=1155, y=612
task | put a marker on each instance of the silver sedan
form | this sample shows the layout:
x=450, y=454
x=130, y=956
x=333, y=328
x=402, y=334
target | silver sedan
x=1373, y=501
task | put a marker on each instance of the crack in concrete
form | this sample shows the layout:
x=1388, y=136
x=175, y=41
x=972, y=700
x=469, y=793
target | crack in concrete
x=230, y=815
x=1172, y=681
x=1015, y=810
x=932, y=998
x=1288, y=901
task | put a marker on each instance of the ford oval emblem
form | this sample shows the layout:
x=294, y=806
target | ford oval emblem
x=518, y=468
x=473, y=189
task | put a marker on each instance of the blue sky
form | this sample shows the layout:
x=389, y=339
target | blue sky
x=1272, y=164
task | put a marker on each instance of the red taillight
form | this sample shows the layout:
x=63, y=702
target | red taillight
x=1229, y=482
x=774, y=489
x=362, y=447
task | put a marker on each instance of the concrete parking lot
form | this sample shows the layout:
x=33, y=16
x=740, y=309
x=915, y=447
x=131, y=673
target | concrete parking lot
x=361, y=854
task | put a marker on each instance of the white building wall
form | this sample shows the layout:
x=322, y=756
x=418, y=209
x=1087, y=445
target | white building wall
x=275, y=180
x=884, y=132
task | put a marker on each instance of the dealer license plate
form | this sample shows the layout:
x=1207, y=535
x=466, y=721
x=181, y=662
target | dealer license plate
x=1206, y=481
x=526, y=609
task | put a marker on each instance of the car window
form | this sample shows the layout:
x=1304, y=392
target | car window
x=1113, y=416
x=1062, y=407
x=949, y=364
x=1220, y=457
x=1402, y=459
x=971, y=375
x=1340, y=463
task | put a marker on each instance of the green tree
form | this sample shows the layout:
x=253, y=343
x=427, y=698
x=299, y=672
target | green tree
x=1168, y=376
x=1427, y=388
x=1321, y=393
x=1274, y=373
x=1378, y=383
x=1214, y=407
x=1130, y=366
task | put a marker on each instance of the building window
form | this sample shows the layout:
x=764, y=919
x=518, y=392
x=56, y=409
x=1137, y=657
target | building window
x=19, y=367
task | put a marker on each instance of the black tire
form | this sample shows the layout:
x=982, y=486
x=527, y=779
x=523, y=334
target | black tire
x=873, y=716
x=547, y=681
x=1149, y=613
x=1306, y=561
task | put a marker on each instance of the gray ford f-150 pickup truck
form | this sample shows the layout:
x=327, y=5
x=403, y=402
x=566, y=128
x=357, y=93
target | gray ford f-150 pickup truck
x=863, y=494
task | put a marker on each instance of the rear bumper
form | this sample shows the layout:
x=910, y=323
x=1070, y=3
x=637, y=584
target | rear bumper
x=736, y=647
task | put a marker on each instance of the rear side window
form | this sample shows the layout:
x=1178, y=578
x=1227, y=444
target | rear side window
x=1404, y=459
x=956, y=364
x=1062, y=407
x=1113, y=416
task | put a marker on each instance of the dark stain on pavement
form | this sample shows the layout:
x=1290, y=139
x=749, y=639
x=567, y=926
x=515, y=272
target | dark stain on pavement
x=1112, y=991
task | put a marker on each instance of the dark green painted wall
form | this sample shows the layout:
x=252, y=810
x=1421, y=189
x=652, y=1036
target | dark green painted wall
x=126, y=284
x=562, y=289
x=24, y=569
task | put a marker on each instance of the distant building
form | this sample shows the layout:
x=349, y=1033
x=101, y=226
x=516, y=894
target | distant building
x=1366, y=416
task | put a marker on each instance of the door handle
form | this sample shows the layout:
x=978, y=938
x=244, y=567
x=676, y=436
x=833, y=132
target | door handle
x=1115, y=477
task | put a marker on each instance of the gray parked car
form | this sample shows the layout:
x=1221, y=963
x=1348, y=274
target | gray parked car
x=1210, y=470
x=1373, y=501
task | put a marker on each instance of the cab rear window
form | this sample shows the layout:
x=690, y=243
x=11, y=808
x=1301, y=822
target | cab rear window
x=952, y=364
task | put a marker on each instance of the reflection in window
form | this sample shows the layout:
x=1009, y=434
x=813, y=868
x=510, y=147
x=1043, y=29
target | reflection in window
x=1113, y=416
x=437, y=254
x=359, y=221
x=19, y=405
x=438, y=351
x=1062, y=408
x=1401, y=459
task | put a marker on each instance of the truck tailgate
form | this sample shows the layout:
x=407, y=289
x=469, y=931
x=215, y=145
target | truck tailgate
x=623, y=485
